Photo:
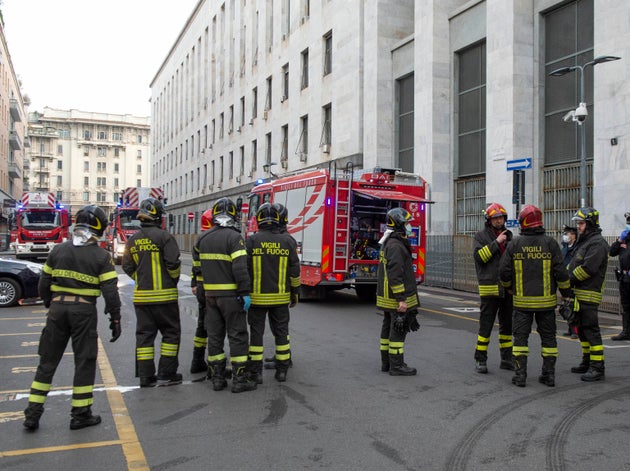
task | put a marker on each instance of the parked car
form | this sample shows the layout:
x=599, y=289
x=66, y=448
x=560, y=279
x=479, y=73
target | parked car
x=18, y=280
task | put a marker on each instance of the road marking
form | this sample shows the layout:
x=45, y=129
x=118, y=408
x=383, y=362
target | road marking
x=9, y=416
x=20, y=334
x=36, y=324
x=52, y=449
x=34, y=355
x=131, y=445
x=21, y=318
x=25, y=392
x=30, y=344
x=24, y=369
x=463, y=309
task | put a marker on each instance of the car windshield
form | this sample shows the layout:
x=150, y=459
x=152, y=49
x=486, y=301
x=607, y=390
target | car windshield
x=39, y=220
x=129, y=219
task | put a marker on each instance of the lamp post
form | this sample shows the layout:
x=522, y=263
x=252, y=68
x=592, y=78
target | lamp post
x=580, y=113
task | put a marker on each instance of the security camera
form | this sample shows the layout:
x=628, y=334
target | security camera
x=581, y=112
x=570, y=116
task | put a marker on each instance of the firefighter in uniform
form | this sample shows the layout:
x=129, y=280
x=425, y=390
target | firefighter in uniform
x=152, y=259
x=489, y=243
x=200, y=340
x=620, y=248
x=222, y=258
x=274, y=269
x=74, y=276
x=532, y=269
x=587, y=272
x=396, y=293
x=270, y=362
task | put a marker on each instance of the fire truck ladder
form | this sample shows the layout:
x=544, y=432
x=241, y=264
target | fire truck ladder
x=342, y=222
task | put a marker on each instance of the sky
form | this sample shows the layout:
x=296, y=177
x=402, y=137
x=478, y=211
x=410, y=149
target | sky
x=91, y=55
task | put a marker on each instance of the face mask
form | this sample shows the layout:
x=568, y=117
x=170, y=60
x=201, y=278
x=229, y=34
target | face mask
x=627, y=227
x=81, y=236
x=565, y=238
x=408, y=231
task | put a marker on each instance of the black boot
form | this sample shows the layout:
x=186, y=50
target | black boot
x=625, y=331
x=254, y=371
x=384, y=361
x=281, y=370
x=583, y=366
x=198, y=364
x=82, y=417
x=506, y=359
x=32, y=414
x=595, y=372
x=216, y=374
x=398, y=367
x=548, y=376
x=270, y=363
x=240, y=381
x=481, y=364
x=520, y=371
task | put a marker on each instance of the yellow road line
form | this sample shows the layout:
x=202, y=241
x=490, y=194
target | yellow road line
x=124, y=426
x=51, y=449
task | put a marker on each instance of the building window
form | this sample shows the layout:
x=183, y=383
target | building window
x=116, y=136
x=116, y=168
x=268, y=148
x=101, y=152
x=231, y=165
x=241, y=170
x=139, y=156
x=326, y=138
x=472, y=111
x=102, y=135
x=568, y=42
x=221, y=122
x=59, y=180
x=101, y=181
x=59, y=149
x=115, y=182
x=405, y=99
x=254, y=102
x=101, y=166
x=139, y=182
x=231, y=120
x=59, y=164
x=86, y=151
x=304, y=80
x=242, y=111
x=116, y=152
x=59, y=195
x=268, y=97
x=285, y=82
x=139, y=138
x=328, y=53
x=101, y=197
x=138, y=168
x=87, y=134
x=302, y=150
x=284, y=152
x=86, y=196
x=86, y=166
x=254, y=157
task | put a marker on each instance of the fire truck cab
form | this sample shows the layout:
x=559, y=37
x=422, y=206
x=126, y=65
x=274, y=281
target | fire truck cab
x=337, y=219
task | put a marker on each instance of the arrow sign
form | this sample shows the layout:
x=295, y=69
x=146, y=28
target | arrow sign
x=519, y=164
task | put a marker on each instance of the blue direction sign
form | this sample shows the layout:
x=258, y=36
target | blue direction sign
x=511, y=223
x=519, y=164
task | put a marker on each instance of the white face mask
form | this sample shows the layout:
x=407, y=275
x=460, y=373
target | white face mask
x=627, y=227
x=565, y=238
x=408, y=231
x=82, y=236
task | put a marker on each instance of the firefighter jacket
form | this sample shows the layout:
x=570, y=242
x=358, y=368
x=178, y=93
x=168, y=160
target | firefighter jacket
x=487, y=254
x=86, y=271
x=152, y=260
x=221, y=256
x=587, y=270
x=532, y=267
x=616, y=249
x=396, y=278
x=274, y=267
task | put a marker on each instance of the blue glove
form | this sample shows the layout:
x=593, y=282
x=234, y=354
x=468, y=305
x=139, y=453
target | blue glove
x=623, y=235
x=247, y=301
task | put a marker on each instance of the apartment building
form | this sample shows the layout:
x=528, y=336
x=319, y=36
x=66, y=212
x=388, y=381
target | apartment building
x=87, y=157
x=456, y=91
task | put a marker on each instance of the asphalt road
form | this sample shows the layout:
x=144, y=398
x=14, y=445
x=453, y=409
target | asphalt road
x=337, y=410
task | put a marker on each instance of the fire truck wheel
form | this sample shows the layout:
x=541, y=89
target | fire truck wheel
x=10, y=292
x=366, y=293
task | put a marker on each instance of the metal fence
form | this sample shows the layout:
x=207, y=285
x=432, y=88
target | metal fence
x=450, y=264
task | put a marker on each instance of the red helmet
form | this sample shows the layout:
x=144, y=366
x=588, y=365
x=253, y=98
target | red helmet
x=530, y=216
x=495, y=210
x=206, y=220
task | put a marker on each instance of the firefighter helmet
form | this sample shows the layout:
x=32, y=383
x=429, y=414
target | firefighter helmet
x=589, y=215
x=397, y=219
x=206, y=220
x=92, y=218
x=151, y=210
x=267, y=216
x=283, y=214
x=530, y=217
x=495, y=210
x=224, y=212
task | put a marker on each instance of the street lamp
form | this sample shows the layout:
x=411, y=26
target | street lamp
x=579, y=115
x=267, y=168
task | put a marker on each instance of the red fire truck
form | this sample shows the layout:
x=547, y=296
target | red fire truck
x=38, y=223
x=124, y=219
x=337, y=219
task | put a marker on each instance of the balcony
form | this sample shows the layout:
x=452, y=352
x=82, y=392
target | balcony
x=41, y=170
x=14, y=170
x=41, y=185
x=14, y=140
x=14, y=108
x=27, y=141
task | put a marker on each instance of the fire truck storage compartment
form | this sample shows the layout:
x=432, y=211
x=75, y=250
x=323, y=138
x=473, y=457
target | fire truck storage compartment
x=367, y=225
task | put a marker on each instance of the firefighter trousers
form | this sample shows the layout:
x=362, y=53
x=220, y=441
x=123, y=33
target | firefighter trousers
x=279, y=325
x=546, y=327
x=225, y=315
x=491, y=308
x=151, y=319
x=65, y=321
x=201, y=335
x=589, y=332
x=392, y=340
